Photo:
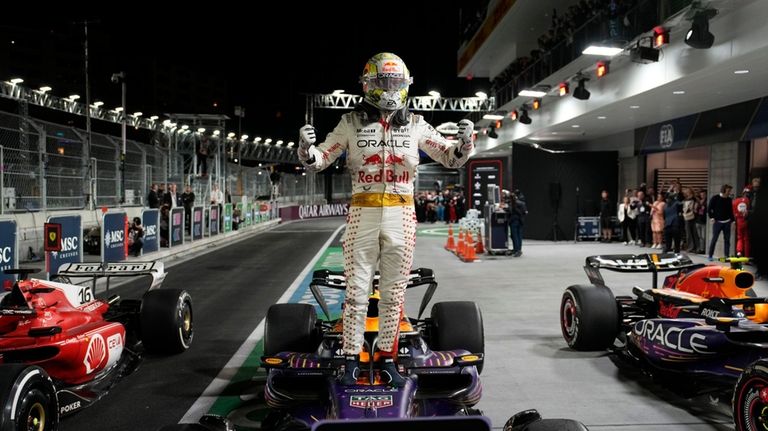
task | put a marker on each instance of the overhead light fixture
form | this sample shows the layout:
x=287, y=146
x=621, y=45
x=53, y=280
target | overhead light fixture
x=513, y=115
x=741, y=72
x=492, y=133
x=699, y=36
x=119, y=109
x=434, y=94
x=481, y=95
x=97, y=103
x=562, y=89
x=678, y=92
x=493, y=117
x=644, y=54
x=257, y=139
x=601, y=117
x=608, y=51
x=581, y=92
x=45, y=89
x=268, y=140
x=201, y=130
x=660, y=36
x=216, y=132
x=337, y=92
x=244, y=138
x=536, y=104
x=73, y=97
x=634, y=107
x=16, y=81
x=279, y=142
x=532, y=93
x=575, y=126
x=184, y=126
x=602, y=68
x=138, y=114
x=524, y=118
x=231, y=135
x=290, y=144
x=154, y=118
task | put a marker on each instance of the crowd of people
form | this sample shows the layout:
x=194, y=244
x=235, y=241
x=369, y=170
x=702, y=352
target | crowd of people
x=167, y=198
x=563, y=29
x=446, y=206
x=675, y=217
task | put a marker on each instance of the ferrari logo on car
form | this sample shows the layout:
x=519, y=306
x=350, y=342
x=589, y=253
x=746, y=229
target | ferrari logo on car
x=368, y=401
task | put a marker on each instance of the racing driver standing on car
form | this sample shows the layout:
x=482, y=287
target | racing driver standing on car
x=382, y=140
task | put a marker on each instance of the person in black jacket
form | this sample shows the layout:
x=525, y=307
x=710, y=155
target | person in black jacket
x=517, y=212
x=607, y=210
x=720, y=211
x=153, y=201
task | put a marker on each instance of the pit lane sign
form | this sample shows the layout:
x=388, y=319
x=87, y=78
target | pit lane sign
x=197, y=223
x=151, y=220
x=9, y=255
x=70, y=243
x=177, y=226
x=213, y=220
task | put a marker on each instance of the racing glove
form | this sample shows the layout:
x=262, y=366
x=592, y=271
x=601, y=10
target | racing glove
x=466, y=129
x=307, y=138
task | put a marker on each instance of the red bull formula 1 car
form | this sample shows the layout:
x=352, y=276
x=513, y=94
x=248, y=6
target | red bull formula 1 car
x=61, y=348
x=705, y=321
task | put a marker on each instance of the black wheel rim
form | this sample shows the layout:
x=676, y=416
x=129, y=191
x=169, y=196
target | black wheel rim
x=187, y=324
x=753, y=398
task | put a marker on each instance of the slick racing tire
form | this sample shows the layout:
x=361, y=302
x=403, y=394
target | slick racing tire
x=290, y=328
x=750, y=398
x=589, y=317
x=166, y=321
x=458, y=325
x=29, y=399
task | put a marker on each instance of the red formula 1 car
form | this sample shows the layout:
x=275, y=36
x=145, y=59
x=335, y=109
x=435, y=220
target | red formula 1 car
x=61, y=348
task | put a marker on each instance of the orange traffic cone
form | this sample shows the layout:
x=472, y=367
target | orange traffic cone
x=450, y=245
x=479, y=249
x=470, y=255
x=460, y=246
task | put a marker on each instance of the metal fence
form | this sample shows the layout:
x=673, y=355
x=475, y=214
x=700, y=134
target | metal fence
x=48, y=166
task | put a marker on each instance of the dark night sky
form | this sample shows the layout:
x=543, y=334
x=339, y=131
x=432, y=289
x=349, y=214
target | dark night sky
x=262, y=61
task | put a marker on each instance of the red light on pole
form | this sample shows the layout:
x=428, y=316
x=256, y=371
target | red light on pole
x=602, y=69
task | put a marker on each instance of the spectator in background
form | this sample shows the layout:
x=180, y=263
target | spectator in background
x=517, y=212
x=164, y=223
x=657, y=220
x=171, y=198
x=701, y=219
x=217, y=196
x=689, y=217
x=643, y=208
x=720, y=210
x=741, y=210
x=135, y=235
x=201, y=151
x=188, y=201
x=673, y=222
x=606, y=214
x=153, y=201
x=627, y=214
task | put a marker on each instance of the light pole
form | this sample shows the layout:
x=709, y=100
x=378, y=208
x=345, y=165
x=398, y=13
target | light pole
x=120, y=78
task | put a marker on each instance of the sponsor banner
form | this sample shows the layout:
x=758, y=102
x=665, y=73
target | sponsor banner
x=197, y=223
x=177, y=226
x=9, y=249
x=227, y=217
x=71, y=243
x=314, y=211
x=213, y=220
x=150, y=218
x=113, y=237
x=248, y=214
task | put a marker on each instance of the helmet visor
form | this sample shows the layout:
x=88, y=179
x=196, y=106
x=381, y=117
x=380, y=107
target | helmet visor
x=389, y=83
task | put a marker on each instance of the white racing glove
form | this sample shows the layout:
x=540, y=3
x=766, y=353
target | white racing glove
x=307, y=138
x=466, y=128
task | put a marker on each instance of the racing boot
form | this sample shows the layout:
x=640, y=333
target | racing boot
x=390, y=375
x=351, y=370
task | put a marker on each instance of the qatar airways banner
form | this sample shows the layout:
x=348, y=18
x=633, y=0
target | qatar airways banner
x=302, y=212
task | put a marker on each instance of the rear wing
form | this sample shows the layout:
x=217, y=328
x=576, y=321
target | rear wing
x=652, y=263
x=97, y=270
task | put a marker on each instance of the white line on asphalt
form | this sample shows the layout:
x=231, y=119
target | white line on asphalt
x=203, y=404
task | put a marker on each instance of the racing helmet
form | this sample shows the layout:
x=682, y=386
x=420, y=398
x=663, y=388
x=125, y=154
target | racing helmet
x=385, y=82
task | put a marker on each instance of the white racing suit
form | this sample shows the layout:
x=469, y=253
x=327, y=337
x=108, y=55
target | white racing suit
x=381, y=223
